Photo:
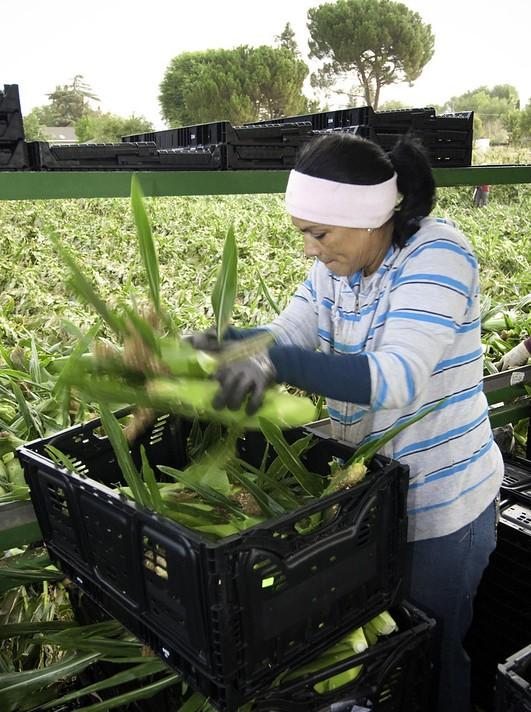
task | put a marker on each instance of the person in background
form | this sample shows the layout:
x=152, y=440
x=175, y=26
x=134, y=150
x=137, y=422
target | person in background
x=386, y=325
x=517, y=356
x=481, y=195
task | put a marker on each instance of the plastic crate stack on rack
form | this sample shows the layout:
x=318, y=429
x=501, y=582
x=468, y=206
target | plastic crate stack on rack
x=144, y=155
x=447, y=138
x=264, y=145
x=274, y=143
x=513, y=684
x=256, y=147
x=502, y=608
x=231, y=614
x=13, y=154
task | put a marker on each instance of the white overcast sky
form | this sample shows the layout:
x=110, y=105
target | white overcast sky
x=123, y=47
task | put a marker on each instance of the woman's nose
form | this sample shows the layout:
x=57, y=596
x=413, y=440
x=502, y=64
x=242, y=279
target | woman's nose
x=311, y=246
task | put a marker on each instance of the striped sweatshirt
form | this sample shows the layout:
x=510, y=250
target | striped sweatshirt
x=417, y=321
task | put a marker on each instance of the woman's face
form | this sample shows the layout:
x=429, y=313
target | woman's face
x=344, y=250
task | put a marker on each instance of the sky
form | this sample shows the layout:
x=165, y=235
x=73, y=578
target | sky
x=123, y=47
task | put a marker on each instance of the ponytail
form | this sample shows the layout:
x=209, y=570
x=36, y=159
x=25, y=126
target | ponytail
x=416, y=185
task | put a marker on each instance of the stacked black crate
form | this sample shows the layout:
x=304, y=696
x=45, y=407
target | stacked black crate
x=119, y=157
x=502, y=607
x=447, y=138
x=513, y=683
x=265, y=146
x=232, y=614
x=257, y=147
x=12, y=148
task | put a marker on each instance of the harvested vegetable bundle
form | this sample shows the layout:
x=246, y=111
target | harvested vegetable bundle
x=503, y=327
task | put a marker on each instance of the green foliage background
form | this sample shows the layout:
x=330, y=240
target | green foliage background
x=240, y=85
x=189, y=234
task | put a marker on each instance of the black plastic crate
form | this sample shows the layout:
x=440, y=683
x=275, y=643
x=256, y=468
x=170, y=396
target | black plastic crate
x=460, y=121
x=517, y=473
x=513, y=683
x=364, y=131
x=11, y=124
x=501, y=623
x=292, y=134
x=185, y=136
x=259, y=157
x=396, y=674
x=323, y=120
x=401, y=120
x=518, y=516
x=14, y=156
x=229, y=614
x=120, y=156
x=222, y=132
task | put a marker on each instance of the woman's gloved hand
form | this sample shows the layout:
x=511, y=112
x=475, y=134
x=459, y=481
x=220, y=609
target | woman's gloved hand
x=518, y=356
x=206, y=340
x=244, y=380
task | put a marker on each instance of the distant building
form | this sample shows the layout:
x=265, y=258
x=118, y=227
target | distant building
x=60, y=134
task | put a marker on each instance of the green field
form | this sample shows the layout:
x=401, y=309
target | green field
x=189, y=234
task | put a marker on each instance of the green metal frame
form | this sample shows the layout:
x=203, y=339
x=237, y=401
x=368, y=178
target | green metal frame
x=45, y=185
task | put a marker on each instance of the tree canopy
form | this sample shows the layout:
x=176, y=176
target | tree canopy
x=496, y=110
x=239, y=85
x=100, y=127
x=380, y=42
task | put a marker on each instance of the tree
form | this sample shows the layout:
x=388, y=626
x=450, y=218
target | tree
x=494, y=110
x=69, y=102
x=33, y=126
x=239, y=85
x=109, y=128
x=525, y=122
x=380, y=42
x=287, y=40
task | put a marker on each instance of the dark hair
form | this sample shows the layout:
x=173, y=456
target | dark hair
x=347, y=158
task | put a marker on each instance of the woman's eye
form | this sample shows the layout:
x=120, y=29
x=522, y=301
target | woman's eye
x=319, y=236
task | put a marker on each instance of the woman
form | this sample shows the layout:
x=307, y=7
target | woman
x=386, y=324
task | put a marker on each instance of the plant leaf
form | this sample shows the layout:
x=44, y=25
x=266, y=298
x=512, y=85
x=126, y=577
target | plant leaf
x=145, y=242
x=15, y=687
x=120, y=446
x=267, y=295
x=224, y=293
x=141, y=693
x=137, y=672
x=210, y=495
x=268, y=505
x=151, y=482
x=32, y=423
x=84, y=289
x=313, y=484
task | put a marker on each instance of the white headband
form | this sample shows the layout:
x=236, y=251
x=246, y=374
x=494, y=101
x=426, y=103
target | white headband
x=330, y=203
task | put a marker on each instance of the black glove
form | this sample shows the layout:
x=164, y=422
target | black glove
x=244, y=379
x=206, y=340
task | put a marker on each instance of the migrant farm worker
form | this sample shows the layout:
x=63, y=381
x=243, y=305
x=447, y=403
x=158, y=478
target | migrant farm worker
x=386, y=324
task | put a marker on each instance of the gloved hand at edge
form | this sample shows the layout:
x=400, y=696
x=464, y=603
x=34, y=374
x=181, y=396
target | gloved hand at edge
x=518, y=356
x=206, y=340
